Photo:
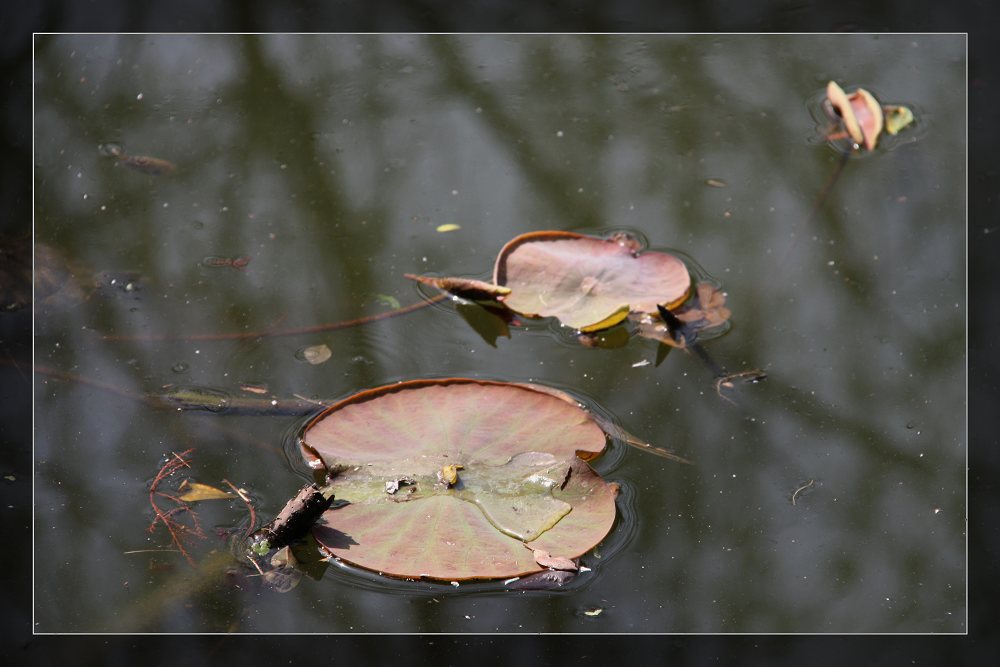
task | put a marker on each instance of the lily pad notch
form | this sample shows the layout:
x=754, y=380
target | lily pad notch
x=450, y=479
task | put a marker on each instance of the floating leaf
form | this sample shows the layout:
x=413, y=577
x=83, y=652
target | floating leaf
x=707, y=310
x=544, y=559
x=143, y=163
x=196, y=491
x=315, y=354
x=285, y=574
x=522, y=481
x=588, y=283
x=450, y=227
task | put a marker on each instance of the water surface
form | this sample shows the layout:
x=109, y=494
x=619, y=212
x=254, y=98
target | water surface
x=831, y=498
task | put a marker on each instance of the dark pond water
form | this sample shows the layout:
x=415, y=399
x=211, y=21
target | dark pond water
x=329, y=162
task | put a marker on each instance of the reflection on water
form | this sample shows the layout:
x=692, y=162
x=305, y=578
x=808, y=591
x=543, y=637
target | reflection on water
x=326, y=166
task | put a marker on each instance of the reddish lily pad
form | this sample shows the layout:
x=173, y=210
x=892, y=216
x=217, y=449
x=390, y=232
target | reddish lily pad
x=520, y=479
x=588, y=283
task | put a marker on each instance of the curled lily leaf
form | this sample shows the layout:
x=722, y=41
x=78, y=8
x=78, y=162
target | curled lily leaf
x=860, y=112
x=862, y=118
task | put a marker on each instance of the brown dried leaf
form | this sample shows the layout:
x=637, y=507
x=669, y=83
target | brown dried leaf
x=544, y=559
x=467, y=288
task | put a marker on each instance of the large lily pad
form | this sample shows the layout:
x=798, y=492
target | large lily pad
x=588, y=283
x=518, y=453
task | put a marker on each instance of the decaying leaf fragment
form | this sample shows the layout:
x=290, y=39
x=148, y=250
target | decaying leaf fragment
x=544, y=559
x=393, y=485
x=142, y=163
x=448, y=474
x=861, y=117
x=466, y=288
x=677, y=328
x=196, y=491
x=315, y=354
x=284, y=574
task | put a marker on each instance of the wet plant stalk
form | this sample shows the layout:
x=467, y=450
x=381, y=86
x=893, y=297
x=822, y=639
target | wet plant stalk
x=273, y=333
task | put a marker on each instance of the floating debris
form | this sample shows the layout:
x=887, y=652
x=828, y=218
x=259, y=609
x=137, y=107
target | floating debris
x=716, y=183
x=141, y=163
x=215, y=261
x=314, y=354
x=551, y=562
x=392, y=486
x=387, y=300
x=448, y=475
x=449, y=227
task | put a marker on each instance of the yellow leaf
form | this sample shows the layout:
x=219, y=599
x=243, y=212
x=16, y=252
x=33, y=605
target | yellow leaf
x=198, y=491
x=450, y=227
x=614, y=318
x=896, y=118
x=449, y=473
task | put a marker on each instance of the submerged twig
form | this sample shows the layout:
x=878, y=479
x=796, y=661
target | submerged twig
x=642, y=445
x=821, y=198
x=175, y=528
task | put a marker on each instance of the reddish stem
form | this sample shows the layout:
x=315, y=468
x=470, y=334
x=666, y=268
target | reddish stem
x=245, y=335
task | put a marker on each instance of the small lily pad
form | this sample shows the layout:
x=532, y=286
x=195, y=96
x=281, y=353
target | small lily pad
x=588, y=283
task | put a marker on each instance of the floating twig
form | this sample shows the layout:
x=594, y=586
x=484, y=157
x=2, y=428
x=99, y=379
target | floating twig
x=726, y=381
x=801, y=489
